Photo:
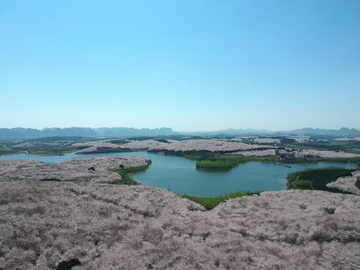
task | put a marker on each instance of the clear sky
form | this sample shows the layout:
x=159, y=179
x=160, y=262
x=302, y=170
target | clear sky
x=188, y=65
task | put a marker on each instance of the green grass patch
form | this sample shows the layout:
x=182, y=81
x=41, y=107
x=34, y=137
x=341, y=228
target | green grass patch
x=316, y=179
x=210, y=202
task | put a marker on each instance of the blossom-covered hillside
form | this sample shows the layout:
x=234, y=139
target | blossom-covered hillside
x=85, y=169
x=187, y=145
x=135, y=227
x=235, y=147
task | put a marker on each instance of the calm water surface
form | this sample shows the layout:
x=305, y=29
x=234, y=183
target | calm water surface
x=179, y=175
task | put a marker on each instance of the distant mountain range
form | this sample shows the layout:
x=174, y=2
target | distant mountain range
x=234, y=132
x=334, y=132
x=26, y=133
x=304, y=131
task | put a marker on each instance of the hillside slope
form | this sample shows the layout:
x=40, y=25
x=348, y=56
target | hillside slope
x=135, y=227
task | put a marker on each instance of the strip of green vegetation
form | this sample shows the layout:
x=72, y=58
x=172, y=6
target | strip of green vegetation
x=104, y=150
x=193, y=157
x=210, y=202
x=42, y=150
x=199, y=154
x=320, y=142
x=132, y=170
x=267, y=159
x=126, y=180
x=7, y=152
x=309, y=160
x=50, y=152
x=342, y=160
x=316, y=179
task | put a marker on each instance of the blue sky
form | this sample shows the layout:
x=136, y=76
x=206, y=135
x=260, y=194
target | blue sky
x=188, y=65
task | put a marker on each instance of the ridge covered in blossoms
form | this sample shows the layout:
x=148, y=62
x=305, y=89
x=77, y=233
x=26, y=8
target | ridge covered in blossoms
x=108, y=226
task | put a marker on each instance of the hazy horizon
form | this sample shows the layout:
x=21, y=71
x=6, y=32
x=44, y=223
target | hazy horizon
x=189, y=65
x=179, y=131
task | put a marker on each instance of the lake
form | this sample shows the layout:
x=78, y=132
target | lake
x=179, y=175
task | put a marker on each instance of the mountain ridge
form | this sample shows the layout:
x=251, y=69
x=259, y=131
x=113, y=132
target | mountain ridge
x=27, y=133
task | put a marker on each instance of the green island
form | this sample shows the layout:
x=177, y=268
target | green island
x=126, y=179
x=210, y=202
x=216, y=165
x=316, y=179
